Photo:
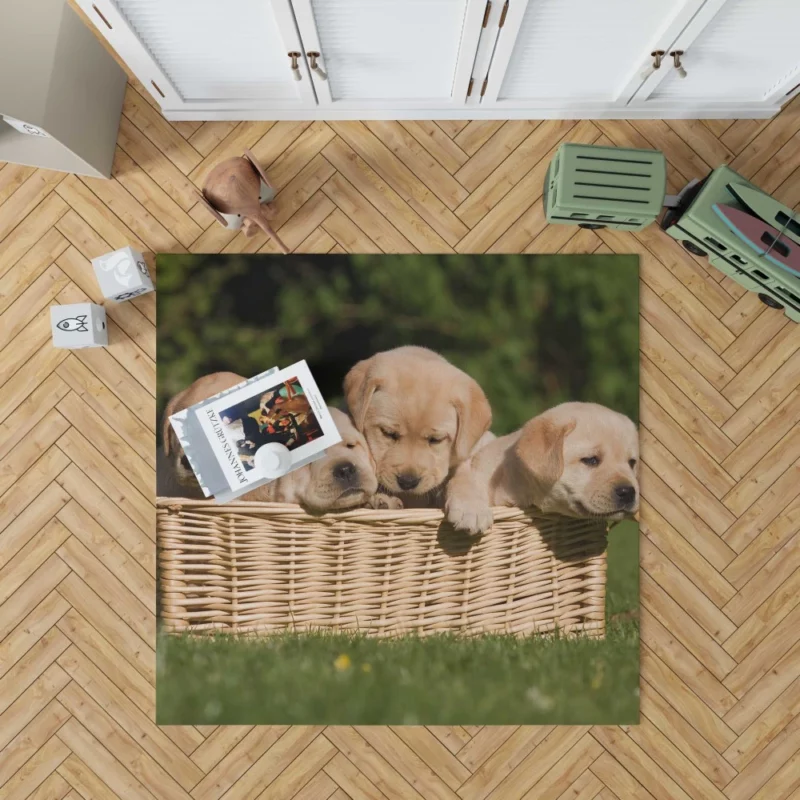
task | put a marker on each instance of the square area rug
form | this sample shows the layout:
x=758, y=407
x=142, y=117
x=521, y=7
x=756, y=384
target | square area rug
x=467, y=554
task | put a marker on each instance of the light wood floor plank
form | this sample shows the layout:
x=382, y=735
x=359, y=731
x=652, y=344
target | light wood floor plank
x=31, y=230
x=120, y=744
x=106, y=777
x=33, y=736
x=402, y=180
x=686, y=739
x=122, y=504
x=415, y=232
x=108, y=624
x=509, y=172
x=437, y=143
x=142, y=114
x=31, y=266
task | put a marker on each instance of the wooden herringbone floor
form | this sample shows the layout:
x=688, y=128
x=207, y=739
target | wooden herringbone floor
x=720, y=689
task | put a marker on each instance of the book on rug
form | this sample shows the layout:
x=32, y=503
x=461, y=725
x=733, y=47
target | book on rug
x=256, y=431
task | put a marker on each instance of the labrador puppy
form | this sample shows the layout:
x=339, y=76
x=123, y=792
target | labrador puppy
x=421, y=417
x=577, y=459
x=343, y=478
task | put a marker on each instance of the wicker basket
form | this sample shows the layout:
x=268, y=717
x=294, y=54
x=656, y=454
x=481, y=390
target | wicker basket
x=247, y=567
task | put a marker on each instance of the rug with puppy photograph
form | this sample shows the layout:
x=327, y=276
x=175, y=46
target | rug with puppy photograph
x=398, y=489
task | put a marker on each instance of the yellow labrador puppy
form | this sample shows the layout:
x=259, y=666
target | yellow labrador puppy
x=421, y=417
x=577, y=459
x=343, y=478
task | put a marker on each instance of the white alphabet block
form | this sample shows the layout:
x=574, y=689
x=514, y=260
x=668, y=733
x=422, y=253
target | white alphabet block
x=79, y=325
x=122, y=274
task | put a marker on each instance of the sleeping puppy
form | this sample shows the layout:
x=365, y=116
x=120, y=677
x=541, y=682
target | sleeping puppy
x=421, y=417
x=577, y=459
x=343, y=478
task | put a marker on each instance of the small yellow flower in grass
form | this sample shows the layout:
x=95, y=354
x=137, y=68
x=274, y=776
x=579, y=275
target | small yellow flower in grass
x=366, y=667
x=342, y=662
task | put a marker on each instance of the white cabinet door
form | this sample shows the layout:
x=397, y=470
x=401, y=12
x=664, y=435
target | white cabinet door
x=734, y=51
x=578, y=54
x=208, y=54
x=390, y=53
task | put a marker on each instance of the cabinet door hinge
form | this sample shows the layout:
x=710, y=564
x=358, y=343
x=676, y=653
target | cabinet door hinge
x=483, y=88
x=486, y=13
x=469, y=88
x=503, y=15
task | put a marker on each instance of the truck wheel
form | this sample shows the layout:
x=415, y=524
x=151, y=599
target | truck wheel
x=770, y=301
x=693, y=248
x=592, y=226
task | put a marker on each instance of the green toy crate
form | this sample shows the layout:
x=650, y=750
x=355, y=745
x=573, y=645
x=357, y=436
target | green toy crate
x=605, y=187
x=696, y=225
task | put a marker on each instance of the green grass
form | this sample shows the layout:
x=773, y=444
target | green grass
x=439, y=680
x=622, y=588
x=323, y=678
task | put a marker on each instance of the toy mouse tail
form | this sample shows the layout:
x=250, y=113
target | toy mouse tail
x=263, y=223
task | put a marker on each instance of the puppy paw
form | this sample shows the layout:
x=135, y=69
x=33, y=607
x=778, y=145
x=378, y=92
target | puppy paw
x=385, y=502
x=471, y=515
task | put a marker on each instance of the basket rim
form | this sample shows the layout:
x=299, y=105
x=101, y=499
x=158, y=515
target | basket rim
x=499, y=513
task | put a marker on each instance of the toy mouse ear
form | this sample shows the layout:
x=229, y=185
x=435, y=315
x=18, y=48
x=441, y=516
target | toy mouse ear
x=213, y=211
x=257, y=167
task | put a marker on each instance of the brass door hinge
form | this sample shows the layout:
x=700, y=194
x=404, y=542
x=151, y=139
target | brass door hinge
x=503, y=15
x=486, y=13
x=469, y=88
x=483, y=88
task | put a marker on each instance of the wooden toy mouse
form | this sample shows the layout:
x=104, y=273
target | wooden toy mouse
x=234, y=188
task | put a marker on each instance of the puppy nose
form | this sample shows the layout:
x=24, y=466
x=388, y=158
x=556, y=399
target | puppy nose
x=185, y=463
x=408, y=480
x=625, y=493
x=345, y=471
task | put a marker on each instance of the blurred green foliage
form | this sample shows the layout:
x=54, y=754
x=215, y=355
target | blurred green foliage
x=534, y=331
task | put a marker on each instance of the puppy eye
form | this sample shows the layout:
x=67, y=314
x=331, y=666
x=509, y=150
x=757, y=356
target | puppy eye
x=349, y=445
x=590, y=461
x=390, y=435
x=435, y=439
x=632, y=463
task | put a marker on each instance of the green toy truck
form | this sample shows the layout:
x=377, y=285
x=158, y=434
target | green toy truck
x=694, y=223
x=610, y=187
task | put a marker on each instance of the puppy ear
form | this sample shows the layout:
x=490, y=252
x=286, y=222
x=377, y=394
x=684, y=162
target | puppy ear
x=168, y=437
x=474, y=418
x=359, y=387
x=540, y=448
x=372, y=462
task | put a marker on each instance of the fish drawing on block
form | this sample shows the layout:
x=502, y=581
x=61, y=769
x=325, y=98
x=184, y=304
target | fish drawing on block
x=763, y=238
x=77, y=324
x=120, y=265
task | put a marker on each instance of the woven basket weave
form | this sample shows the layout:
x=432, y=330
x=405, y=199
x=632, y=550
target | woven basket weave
x=246, y=567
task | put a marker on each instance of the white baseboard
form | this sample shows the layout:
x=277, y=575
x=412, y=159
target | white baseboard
x=748, y=111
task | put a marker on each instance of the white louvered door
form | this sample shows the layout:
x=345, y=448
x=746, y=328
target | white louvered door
x=225, y=54
x=390, y=53
x=734, y=51
x=578, y=53
x=470, y=59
